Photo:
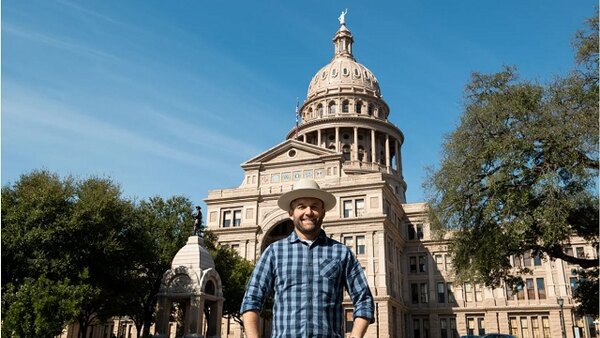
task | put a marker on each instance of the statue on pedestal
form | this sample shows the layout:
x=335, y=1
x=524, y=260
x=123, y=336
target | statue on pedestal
x=198, y=228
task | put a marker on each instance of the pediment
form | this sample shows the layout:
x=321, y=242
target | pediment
x=291, y=151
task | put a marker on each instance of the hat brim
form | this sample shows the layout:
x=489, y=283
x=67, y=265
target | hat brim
x=286, y=199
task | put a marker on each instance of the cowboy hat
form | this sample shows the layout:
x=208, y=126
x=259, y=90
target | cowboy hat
x=303, y=189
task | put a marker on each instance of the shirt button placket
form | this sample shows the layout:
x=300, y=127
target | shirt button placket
x=309, y=292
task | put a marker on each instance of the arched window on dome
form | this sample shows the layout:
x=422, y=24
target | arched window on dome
x=310, y=113
x=358, y=107
x=371, y=109
x=332, y=108
x=345, y=105
x=320, y=110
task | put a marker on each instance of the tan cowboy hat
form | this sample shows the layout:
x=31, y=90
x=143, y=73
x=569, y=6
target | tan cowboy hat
x=306, y=188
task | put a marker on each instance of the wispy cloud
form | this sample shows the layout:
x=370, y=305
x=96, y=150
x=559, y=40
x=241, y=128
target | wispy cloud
x=56, y=42
x=47, y=115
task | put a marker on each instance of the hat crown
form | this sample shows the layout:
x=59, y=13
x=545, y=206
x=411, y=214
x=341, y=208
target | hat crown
x=306, y=184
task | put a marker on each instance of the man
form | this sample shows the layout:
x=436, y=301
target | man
x=308, y=273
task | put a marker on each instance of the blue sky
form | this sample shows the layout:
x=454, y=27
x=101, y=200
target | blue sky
x=170, y=97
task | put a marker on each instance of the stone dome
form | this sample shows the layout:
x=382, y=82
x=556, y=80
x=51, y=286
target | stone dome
x=343, y=71
x=193, y=255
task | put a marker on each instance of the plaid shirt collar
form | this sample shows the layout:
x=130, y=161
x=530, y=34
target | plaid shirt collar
x=293, y=237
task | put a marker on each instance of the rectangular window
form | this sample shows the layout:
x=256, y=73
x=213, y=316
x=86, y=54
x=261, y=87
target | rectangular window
x=521, y=292
x=411, y=231
x=417, y=328
x=422, y=263
x=349, y=242
x=425, y=328
x=524, y=328
x=468, y=292
x=420, y=231
x=535, y=328
x=353, y=207
x=513, y=326
x=226, y=219
x=527, y=258
x=541, y=288
x=360, y=245
x=481, y=326
x=579, y=251
x=443, y=328
x=448, y=262
x=449, y=287
x=573, y=283
x=439, y=262
x=478, y=292
x=530, y=288
x=569, y=252
x=348, y=210
x=470, y=326
x=412, y=262
x=414, y=293
x=510, y=295
x=237, y=218
x=546, y=327
x=441, y=292
x=349, y=319
x=231, y=217
x=517, y=261
x=360, y=207
x=424, y=293
x=537, y=259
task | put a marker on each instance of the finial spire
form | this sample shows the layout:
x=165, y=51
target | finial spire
x=342, y=17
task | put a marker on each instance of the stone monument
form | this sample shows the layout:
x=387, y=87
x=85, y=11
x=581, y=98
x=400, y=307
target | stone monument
x=194, y=283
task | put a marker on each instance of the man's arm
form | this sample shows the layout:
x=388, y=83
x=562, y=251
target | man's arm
x=251, y=319
x=358, y=328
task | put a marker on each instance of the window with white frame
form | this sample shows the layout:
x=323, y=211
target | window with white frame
x=356, y=243
x=353, y=207
x=231, y=217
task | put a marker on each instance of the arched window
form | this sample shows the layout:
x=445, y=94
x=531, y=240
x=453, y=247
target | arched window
x=320, y=110
x=358, y=107
x=345, y=105
x=332, y=108
x=310, y=112
x=371, y=109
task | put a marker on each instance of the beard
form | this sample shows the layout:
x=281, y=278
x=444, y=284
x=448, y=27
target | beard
x=310, y=228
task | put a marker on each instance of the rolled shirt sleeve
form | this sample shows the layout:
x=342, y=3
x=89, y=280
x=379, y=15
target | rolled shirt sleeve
x=358, y=289
x=260, y=284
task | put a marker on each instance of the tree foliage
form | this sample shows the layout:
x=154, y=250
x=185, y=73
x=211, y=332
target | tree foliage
x=74, y=235
x=519, y=174
x=234, y=271
x=165, y=225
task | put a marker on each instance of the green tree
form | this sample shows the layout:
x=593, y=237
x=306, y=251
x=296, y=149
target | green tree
x=234, y=271
x=519, y=174
x=165, y=226
x=58, y=229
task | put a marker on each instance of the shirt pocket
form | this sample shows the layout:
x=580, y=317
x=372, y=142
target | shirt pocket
x=330, y=268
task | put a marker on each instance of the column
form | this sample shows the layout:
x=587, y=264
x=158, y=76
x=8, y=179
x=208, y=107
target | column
x=373, y=157
x=337, y=139
x=304, y=138
x=319, y=137
x=387, y=152
x=355, y=148
x=398, y=157
x=162, y=317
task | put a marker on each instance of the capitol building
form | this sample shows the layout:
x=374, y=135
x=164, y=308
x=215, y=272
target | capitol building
x=345, y=141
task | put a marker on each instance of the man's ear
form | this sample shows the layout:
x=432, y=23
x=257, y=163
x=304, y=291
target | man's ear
x=291, y=213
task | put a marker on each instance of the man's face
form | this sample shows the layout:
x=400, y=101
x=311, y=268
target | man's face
x=307, y=214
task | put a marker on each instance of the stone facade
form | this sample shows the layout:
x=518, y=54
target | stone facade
x=347, y=144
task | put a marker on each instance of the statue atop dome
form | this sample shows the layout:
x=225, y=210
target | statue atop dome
x=342, y=17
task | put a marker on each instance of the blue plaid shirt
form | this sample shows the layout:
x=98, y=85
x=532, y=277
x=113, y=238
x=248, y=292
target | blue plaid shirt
x=308, y=283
